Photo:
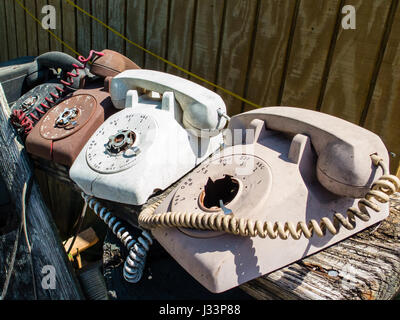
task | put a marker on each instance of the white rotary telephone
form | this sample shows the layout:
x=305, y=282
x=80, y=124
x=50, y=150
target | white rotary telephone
x=168, y=126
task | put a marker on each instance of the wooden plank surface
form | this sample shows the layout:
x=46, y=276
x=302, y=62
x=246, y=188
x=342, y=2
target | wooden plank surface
x=42, y=181
x=45, y=243
x=354, y=59
x=237, y=37
x=271, y=44
x=31, y=29
x=99, y=33
x=180, y=38
x=84, y=28
x=66, y=206
x=384, y=113
x=116, y=20
x=43, y=35
x=156, y=33
x=363, y=267
x=136, y=30
x=20, y=26
x=311, y=43
x=69, y=27
x=9, y=17
x=55, y=45
x=206, y=39
x=3, y=33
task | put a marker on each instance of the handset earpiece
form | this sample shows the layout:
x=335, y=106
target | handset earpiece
x=111, y=63
x=204, y=121
x=201, y=107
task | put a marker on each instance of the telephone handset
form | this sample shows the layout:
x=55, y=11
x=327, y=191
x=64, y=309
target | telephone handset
x=40, y=70
x=199, y=105
x=289, y=183
x=63, y=131
x=343, y=150
x=146, y=147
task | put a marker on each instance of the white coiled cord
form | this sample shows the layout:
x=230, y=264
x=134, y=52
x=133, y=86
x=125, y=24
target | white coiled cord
x=380, y=191
x=137, y=249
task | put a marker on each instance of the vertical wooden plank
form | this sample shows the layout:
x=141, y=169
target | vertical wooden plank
x=69, y=27
x=3, y=33
x=180, y=37
x=136, y=30
x=236, y=44
x=65, y=205
x=31, y=29
x=271, y=42
x=383, y=116
x=41, y=179
x=315, y=27
x=209, y=18
x=84, y=29
x=116, y=20
x=20, y=25
x=43, y=35
x=354, y=59
x=156, y=33
x=11, y=30
x=55, y=45
x=99, y=32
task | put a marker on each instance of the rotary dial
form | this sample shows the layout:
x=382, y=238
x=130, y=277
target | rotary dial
x=224, y=183
x=233, y=184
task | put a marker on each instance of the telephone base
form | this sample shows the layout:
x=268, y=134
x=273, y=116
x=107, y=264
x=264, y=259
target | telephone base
x=221, y=261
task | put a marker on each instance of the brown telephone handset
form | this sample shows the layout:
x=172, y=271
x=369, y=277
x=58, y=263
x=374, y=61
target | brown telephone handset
x=289, y=183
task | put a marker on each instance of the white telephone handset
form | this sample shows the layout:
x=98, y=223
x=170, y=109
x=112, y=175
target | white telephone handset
x=158, y=137
x=200, y=106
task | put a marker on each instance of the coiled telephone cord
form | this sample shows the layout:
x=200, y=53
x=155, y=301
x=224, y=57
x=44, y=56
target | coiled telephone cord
x=137, y=249
x=380, y=191
x=26, y=120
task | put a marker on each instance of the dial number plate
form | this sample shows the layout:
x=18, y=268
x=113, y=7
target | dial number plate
x=252, y=173
x=86, y=104
x=103, y=161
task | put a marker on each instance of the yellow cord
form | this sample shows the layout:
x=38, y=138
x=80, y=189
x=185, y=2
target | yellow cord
x=380, y=191
x=163, y=59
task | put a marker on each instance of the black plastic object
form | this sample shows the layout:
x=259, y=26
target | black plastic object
x=92, y=282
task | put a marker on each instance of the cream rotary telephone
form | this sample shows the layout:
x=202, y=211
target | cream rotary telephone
x=291, y=182
x=168, y=126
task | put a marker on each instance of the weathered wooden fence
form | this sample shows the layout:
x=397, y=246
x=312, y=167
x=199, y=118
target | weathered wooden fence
x=271, y=52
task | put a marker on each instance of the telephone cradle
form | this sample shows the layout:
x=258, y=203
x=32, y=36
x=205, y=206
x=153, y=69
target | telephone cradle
x=289, y=183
